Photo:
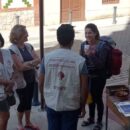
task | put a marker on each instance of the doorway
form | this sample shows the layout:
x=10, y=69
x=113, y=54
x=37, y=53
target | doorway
x=72, y=10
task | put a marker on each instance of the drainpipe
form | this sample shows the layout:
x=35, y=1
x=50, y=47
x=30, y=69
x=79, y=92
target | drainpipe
x=114, y=14
x=17, y=19
x=69, y=16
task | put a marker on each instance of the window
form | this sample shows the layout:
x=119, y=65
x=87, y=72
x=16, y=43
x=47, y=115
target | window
x=110, y=1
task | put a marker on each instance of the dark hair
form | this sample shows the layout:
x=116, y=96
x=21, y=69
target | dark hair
x=65, y=34
x=1, y=40
x=94, y=28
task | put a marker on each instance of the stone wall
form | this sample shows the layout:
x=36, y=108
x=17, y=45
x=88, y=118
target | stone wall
x=9, y=19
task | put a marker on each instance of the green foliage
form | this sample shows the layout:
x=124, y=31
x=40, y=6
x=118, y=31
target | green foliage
x=7, y=4
x=26, y=2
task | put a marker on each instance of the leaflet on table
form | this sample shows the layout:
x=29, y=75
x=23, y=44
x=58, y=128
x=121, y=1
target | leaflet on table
x=123, y=107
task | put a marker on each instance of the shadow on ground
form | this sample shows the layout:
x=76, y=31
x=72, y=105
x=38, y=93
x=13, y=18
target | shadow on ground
x=76, y=47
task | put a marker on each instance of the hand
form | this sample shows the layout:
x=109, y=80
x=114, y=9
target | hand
x=82, y=113
x=36, y=62
x=10, y=83
x=91, y=51
x=28, y=65
x=33, y=63
x=9, y=86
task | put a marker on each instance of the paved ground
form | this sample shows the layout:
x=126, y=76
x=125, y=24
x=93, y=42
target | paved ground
x=120, y=33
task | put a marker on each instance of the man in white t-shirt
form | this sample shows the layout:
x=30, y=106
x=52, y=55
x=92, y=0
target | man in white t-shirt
x=62, y=83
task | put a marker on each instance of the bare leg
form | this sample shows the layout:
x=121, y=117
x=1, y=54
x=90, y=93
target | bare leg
x=20, y=117
x=4, y=116
x=27, y=117
x=28, y=122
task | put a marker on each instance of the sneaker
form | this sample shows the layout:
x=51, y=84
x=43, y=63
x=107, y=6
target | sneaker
x=88, y=122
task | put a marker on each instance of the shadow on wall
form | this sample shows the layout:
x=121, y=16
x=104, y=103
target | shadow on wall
x=76, y=47
x=122, y=39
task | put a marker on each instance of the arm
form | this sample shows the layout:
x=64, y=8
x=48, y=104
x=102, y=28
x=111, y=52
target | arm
x=5, y=82
x=84, y=94
x=36, y=60
x=129, y=76
x=21, y=66
x=41, y=84
x=41, y=88
x=83, y=89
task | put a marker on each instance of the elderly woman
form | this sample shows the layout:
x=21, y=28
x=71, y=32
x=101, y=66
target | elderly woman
x=6, y=84
x=24, y=74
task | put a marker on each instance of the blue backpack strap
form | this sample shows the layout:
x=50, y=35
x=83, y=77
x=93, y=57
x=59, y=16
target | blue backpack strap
x=108, y=40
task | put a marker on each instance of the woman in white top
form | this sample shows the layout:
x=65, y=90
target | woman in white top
x=6, y=84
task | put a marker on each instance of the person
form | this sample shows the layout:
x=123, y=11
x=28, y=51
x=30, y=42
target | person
x=96, y=55
x=62, y=78
x=26, y=60
x=35, y=100
x=6, y=83
x=129, y=76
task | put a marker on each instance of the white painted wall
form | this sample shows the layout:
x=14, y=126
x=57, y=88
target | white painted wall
x=52, y=12
x=94, y=9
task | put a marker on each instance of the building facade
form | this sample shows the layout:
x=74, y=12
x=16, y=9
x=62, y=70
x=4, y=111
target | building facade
x=59, y=11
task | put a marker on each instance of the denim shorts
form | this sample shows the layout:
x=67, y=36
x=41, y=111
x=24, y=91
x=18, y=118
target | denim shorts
x=4, y=106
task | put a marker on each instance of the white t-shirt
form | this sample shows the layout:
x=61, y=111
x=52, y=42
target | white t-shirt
x=62, y=79
x=6, y=70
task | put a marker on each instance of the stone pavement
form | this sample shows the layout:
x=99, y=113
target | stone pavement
x=120, y=33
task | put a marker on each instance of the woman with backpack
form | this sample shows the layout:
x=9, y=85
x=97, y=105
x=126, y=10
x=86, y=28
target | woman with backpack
x=95, y=56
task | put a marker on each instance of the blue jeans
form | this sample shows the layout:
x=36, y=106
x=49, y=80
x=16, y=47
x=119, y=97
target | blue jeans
x=62, y=120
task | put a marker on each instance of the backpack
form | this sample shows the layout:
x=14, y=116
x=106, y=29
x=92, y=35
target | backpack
x=92, y=68
x=114, y=59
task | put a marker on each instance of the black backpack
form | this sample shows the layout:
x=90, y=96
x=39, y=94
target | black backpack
x=114, y=58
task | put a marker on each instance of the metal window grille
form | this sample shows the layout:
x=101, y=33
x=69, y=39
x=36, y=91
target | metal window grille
x=110, y=1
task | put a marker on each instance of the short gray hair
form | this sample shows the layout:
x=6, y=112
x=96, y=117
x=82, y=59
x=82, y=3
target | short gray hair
x=16, y=33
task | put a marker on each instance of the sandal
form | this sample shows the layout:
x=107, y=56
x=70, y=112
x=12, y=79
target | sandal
x=98, y=126
x=20, y=128
x=33, y=127
x=88, y=122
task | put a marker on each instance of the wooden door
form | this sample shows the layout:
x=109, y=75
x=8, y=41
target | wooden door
x=72, y=10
